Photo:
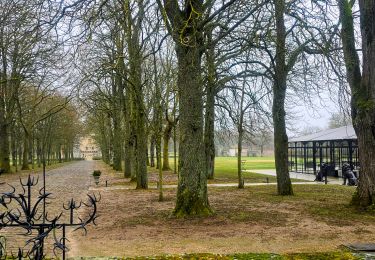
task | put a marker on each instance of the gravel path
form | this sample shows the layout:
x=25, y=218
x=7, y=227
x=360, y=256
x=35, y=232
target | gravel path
x=70, y=181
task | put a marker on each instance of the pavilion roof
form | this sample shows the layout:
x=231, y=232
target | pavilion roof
x=341, y=133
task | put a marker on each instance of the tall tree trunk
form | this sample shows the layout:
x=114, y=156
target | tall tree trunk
x=49, y=153
x=4, y=144
x=166, y=137
x=209, y=127
x=14, y=148
x=284, y=185
x=117, y=142
x=175, y=134
x=19, y=153
x=175, y=149
x=209, y=133
x=239, y=160
x=140, y=139
x=160, y=170
x=117, y=105
x=38, y=152
x=158, y=158
x=240, y=138
x=132, y=139
x=363, y=93
x=137, y=97
x=31, y=150
x=152, y=151
x=192, y=196
x=4, y=126
x=128, y=148
x=147, y=157
x=59, y=155
x=25, y=153
x=104, y=144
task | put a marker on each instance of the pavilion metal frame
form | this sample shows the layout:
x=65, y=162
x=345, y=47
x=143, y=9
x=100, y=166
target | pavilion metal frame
x=308, y=156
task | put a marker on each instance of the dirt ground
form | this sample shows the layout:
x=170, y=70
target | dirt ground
x=133, y=223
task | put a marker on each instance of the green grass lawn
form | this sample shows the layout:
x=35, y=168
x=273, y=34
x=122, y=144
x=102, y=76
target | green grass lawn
x=251, y=163
x=229, y=164
x=226, y=169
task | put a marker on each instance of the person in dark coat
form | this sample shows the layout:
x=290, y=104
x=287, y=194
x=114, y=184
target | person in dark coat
x=322, y=173
x=348, y=174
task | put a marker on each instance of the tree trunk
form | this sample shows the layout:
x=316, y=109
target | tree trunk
x=117, y=103
x=192, y=196
x=19, y=153
x=160, y=170
x=38, y=152
x=14, y=149
x=4, y=144
x=209, y=132
x=363, y=93
x=31, y=151
x=49, y=153
x=239, y=160
x=133, y=33
x=166, y=137
x=25, y=153
x=128, y=136
x=175, y=149
x=59, y=153
x=13, y=146
x=284, y=185
x=128, y=156
x=140, y=141
x=209, y=127
x=152, y=151
x=240, y=138
x=133, y=176
x=365, y=104
x=117, y=142
x=158, y=157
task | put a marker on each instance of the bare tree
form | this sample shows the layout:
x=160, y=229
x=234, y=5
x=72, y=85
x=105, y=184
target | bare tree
x=362, y=86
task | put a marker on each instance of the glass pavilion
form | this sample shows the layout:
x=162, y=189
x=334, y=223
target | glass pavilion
x=332, y=146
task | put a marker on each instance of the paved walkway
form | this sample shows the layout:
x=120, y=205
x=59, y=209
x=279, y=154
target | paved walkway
x=300, y=176
x=67, y=182
x=110, y=188
x=271, y=172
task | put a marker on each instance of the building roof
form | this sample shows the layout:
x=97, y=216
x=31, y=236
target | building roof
x=341, y=133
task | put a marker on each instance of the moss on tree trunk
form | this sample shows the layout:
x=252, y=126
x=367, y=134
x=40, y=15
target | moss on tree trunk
x=363, y=93
x=284, y=185
x=192, y=196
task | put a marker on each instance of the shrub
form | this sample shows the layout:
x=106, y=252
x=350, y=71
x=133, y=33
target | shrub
x=96, y=173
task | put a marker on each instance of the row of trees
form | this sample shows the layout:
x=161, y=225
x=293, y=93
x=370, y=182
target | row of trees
x=235, y=57
x=36, y=122
x=133, y=92
x=151, y=70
